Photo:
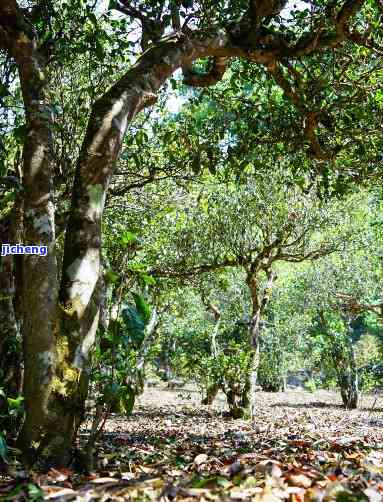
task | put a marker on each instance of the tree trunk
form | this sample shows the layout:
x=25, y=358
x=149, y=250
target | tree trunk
x=58, y=340
x=254, y=332
x=39, y=295
x=10, y=356
x=348, y=383
x=259, y=302
x=211, y=393
x=347, y=372
x=39, y=273
x=236, y=409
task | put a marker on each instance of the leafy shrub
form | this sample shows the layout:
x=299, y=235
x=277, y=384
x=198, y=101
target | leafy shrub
x=11, y=414
x=117, y=376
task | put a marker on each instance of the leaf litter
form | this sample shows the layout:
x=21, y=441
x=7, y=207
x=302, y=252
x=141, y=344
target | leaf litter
x=300, y=447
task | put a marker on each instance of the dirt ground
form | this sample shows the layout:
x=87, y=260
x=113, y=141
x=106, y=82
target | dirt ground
x=320, y=412
x=301, y=447
x=323, y=408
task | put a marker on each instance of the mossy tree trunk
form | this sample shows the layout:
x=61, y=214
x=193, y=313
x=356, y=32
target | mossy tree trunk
x=40, y=327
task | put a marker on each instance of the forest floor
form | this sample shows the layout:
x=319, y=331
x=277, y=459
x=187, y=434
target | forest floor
x=301, y=447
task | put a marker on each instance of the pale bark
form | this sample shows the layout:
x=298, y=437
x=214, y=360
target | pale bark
x=259, y=301
x=39, y=274
x=212, y=391
x=39, y=296
x=214, y=334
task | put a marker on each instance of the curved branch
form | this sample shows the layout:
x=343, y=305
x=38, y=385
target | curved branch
x=214, y=75
x=311, y=118
x=323, y=40
x=193, y=271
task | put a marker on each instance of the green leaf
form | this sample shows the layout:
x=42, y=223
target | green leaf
x=15, y=404
x=134, y=324
x=4, y=91
x=100, y=53
x=35, y=493
x=148, y=279
x=111, y=277
x=143, y=308
x=128, y=398
x=141, y=138
x=111, y=392
x=128, y=238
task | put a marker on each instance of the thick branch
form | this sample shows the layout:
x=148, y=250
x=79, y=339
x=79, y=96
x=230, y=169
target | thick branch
x=213, y=76
x=320, y=39
x=109, y=119
x=311, y=118
x=354, y=306
x=312, y=255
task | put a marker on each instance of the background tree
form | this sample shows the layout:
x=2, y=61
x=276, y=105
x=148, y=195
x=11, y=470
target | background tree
x=251, y=226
